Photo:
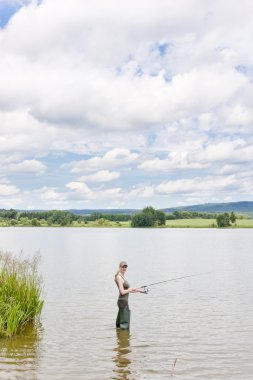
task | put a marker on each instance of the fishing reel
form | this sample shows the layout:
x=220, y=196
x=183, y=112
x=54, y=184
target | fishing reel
x=145, y=290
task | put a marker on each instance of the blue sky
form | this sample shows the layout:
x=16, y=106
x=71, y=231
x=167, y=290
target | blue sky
x=6, y=11
x=113, y=104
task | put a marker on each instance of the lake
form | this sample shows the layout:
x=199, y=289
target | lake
x=195, y=328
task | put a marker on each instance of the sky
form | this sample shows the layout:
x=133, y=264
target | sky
x=124, y=104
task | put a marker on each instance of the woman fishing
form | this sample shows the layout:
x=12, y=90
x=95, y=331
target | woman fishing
x=123, y=317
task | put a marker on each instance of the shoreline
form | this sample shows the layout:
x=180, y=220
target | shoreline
x=177, y=223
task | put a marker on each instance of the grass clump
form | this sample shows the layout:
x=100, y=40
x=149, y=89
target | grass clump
x=20, y=293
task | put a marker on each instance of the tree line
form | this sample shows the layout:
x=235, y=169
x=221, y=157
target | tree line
x=57, y=217
x=29, y=217
x=148, y=217
x=190, y=215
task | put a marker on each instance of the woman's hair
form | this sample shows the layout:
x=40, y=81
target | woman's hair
x=116, y=274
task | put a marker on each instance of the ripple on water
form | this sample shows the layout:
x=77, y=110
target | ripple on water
x=20, y=354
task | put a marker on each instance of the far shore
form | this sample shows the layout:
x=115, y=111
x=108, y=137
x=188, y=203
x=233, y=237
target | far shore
x=177, y=223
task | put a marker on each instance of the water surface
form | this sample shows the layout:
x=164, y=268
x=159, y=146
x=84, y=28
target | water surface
x=203, y=325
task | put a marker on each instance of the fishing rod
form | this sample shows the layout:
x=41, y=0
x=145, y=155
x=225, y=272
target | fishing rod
x=146, y=290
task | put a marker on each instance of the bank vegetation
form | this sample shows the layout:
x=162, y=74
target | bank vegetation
x=20, y=293
x=148, y=217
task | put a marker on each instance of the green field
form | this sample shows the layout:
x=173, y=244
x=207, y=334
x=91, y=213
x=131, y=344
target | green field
x=244, y=223
x=191, y=223
x=177, y=223
x=205, y=223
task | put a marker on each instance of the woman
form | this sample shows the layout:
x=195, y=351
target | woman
x=123, y=317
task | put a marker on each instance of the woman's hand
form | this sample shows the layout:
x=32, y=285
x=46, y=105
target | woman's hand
x=134, y=290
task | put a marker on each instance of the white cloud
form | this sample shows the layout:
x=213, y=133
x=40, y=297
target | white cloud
x=239, y=115
x=175, y=161
x=227, y=169
x=26, y=166
x=21, y=133
x=73, y=88
x=82, y=192
x=196, y=185
x=202, y=156
x=101, y=176
x=156, y=85
x=47, y=197
x=141, y=192
x=80, y=187
x=182, y=191
x=112, y=158
x=233, y=151
x=12, y=202
x=111, y=194
x=119, y=154
x=7, y=189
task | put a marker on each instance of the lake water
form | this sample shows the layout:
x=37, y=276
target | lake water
x=194, y=328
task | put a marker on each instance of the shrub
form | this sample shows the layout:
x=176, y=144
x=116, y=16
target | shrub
x=149, y=217
x=223, y=220
x=35, y=222
x=20, y=293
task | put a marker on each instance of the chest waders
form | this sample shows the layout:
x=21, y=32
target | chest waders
x=123, y=317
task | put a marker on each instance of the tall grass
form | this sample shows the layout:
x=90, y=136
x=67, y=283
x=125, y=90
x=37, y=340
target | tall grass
x=20, y=293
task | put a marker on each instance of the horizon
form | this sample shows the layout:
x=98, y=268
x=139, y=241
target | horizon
x=118, y=105
x=134, y=209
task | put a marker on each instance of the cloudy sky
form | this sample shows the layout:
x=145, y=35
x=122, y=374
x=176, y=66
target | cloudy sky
x=123, y=104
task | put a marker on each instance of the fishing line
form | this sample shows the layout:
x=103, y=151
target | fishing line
x=146, y=290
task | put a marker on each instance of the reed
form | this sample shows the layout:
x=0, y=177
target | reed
x=20, y=293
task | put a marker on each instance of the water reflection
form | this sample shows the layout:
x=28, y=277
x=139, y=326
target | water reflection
x=121, y=358
x=19, y=355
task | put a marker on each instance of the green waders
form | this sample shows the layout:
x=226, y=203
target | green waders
x=123, y=317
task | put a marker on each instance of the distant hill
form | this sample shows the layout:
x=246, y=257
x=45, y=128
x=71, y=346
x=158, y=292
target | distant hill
x=104, y=211
x=89, y=211
x=239, y=207
x=245, y=207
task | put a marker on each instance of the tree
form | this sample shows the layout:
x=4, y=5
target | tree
x=170, y=217
x=150, y=214
x=223, y=220
x=232, y=217
x=142, y=220
x=149, y=217
x=160, y=218
x=9, y=214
